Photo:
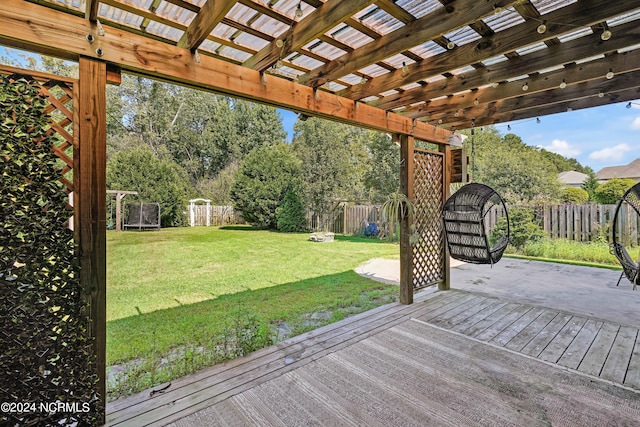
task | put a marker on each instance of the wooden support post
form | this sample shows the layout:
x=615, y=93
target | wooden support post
x=445, y=284
x=406, y=250
x=90, y=183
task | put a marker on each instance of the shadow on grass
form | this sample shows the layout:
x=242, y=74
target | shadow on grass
x=166, y=340
x=161, y=330
x=240, y=228
x=360, y=239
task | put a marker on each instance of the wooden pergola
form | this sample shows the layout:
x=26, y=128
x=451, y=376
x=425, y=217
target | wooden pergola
x=418, y=69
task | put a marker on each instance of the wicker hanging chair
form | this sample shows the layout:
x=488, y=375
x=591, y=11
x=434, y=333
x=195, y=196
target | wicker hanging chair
x=463, y=217
x=630, y=268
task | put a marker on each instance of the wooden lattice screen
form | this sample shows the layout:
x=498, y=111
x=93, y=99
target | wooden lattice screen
x=428, y=249
x=48, y=359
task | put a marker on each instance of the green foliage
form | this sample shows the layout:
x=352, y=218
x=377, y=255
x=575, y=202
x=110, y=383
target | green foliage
x=218, y=189
x=382, y=178
x=575, y=195
x=562, y=249
x=333, y=159
x=590, y=185
x=291, y=215
x=394, y=209
x=155, y=180
x=563, y=164
x=520, y=173
x=264, y=177
x=47, y=354
x=611, y=191
x=524, y=227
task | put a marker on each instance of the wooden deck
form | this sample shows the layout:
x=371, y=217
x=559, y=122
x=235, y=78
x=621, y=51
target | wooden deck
x=453, y=345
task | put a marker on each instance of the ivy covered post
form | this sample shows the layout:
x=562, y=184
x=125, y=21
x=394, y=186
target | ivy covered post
x=47, y=356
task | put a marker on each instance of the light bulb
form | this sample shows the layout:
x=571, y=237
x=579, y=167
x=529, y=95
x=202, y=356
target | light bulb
x=629, y=105
x=299, y=11
x=542, y=28
x=405, y=69
x=538, y=120
x=606, y=35
x=609, y=74
x=525, y=87
x=563, y=84
x=476, y=102
x=440, y=121
x=278, y=64
x=279, y=43
x=508, y=127
x=495, y=84
x=600, y=95
x=569, y=109
x=451, y=45
x=363, y=81
x=457, y=113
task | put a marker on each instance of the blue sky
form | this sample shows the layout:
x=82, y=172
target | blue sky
x=596, y=137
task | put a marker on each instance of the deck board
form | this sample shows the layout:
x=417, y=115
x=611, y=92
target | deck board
x=309, y=393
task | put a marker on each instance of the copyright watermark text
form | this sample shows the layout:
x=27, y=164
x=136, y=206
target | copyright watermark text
x=44, y=407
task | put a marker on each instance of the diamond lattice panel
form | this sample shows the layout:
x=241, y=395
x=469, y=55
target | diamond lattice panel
x=428, y=251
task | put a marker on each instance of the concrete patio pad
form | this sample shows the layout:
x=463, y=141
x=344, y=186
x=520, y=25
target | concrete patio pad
x=588, y=291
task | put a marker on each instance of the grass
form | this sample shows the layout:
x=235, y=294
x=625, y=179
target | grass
x=182, y=299
x=583, y=253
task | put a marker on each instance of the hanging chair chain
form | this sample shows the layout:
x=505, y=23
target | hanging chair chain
x=473, y=153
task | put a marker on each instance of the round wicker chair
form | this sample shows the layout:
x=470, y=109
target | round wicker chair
x=630, y=268
x=463, y=217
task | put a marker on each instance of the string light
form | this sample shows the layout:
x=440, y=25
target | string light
x=405, y=69
x=508, y=127
x=451, y=45
x=299, y=11
x=600, y=94
x=363, y=81
x=609, y=74
x=476, y=102
x=279, y=43
x=538, y=120
x=629, y=105
x=525, y=87
x=563, y=84
x=542, y=28
x=495, y=84
x=606, y=35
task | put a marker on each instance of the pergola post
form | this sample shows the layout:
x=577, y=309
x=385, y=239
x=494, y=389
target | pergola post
x=407, y=145
x=445, y=284
x=91, y=211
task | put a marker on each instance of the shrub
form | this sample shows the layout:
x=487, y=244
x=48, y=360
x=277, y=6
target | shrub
x=264, y=177
x=611, y=191
x=524, y=227
x=575, y=195
x=291, y=215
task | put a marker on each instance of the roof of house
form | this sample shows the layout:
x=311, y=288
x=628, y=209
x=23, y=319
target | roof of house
x=632, y=170
x=572, y=177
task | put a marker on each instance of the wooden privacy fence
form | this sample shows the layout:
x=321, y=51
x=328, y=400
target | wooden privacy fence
x=218, y=215
x=583, y=223
x=346, y=219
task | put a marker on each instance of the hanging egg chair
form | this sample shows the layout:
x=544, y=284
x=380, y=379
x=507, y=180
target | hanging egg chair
x=465, y=227
x=630, y=268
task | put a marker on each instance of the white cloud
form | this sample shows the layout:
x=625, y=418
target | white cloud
x=562, y=147
x=615, y=153
x=635, y=125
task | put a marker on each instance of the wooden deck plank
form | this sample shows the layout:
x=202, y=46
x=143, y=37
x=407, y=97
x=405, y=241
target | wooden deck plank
x=431, y=313
x=515, y=327
x=479, y=316
x=559, y=344
x=504, y=322
x=544, y=338
x=596, y=356
x=615, y=368
x=452, y=322
x=532, y=330
x=213, y=388
x=445, y=320
x=491, y=319
x=580, y=345
x=632, y=379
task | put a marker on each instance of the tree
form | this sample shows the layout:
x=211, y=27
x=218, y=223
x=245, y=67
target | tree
x=291, y=215
x=575, y=195
x=382, y=178
x=611, y=191
x=590, y=185
x=333, y=158
x=263, y=179
x=517, y=171
x=155, y=180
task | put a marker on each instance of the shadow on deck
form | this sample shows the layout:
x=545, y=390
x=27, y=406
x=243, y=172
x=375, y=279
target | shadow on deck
x=453, y=358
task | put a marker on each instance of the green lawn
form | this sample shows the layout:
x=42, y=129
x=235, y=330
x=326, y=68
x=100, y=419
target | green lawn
x=174, y=292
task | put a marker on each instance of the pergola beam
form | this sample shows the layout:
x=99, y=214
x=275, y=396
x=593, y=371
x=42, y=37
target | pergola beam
x=211, y=13
x=315, y=24
x=469, y=101
x=91, y=11
x=454, y=15
x=37, y=27
x=572, y=16
x=583, y=47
